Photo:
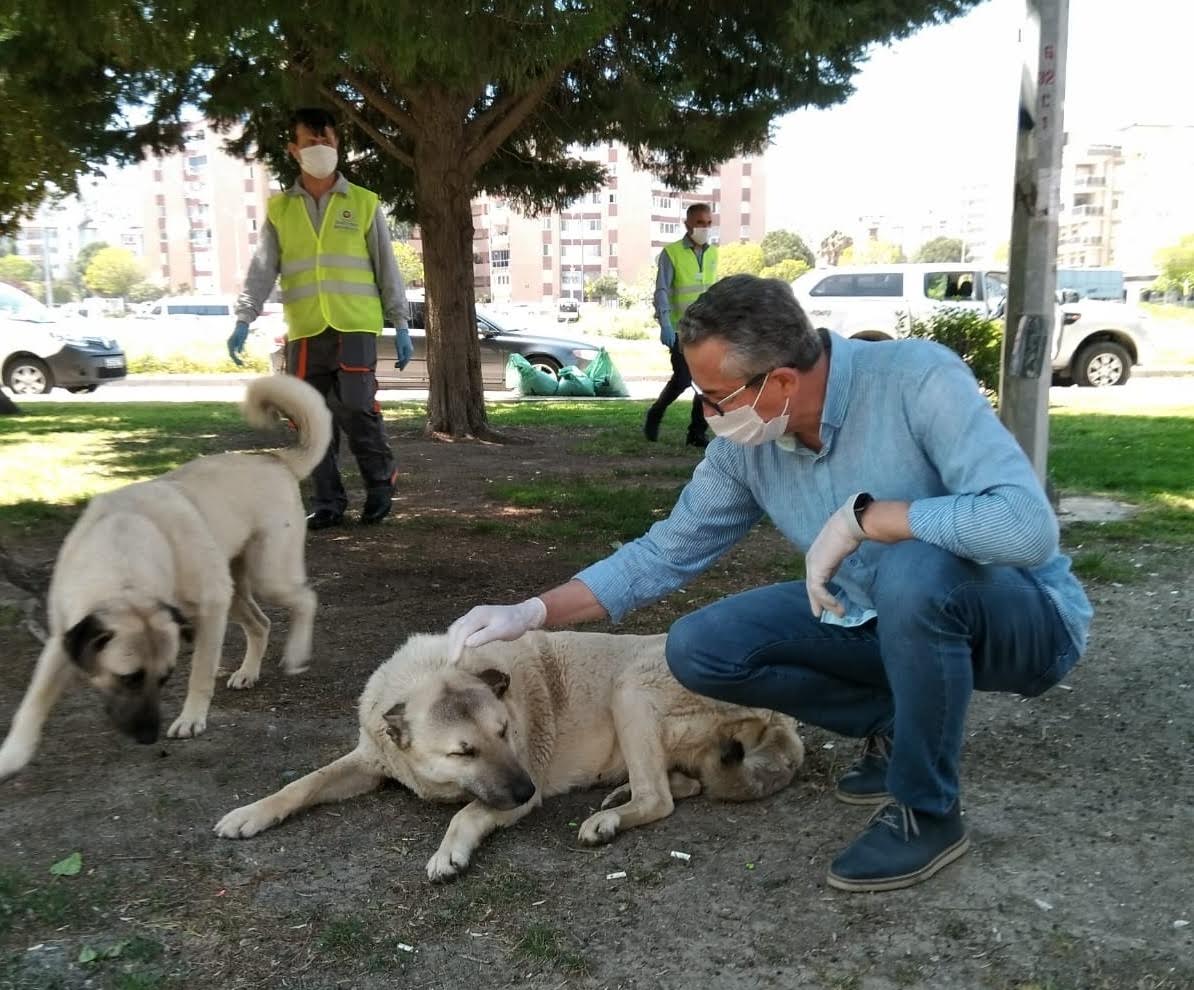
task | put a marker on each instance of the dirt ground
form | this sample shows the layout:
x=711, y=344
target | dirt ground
x=1081, y=873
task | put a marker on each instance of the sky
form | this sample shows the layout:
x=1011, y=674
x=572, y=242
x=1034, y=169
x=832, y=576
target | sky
x=938, y=110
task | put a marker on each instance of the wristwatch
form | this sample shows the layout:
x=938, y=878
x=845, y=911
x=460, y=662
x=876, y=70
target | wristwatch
x=861, y=502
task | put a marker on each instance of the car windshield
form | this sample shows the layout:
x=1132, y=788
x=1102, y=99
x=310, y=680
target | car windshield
x=16, y=305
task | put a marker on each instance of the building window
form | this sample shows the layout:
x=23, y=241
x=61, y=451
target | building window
x=595, y=225
x=547, y=222
x=500, y=258
x=547, y=250
x=663, y=203
x=746, y=168
x=613, y=197
x=668, y=229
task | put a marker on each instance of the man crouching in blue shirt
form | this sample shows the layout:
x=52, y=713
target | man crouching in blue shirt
x=932, y=565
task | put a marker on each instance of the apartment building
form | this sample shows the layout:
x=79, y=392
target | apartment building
x=617, y=230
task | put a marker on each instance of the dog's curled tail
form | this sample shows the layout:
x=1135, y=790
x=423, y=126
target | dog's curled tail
x=298, y=402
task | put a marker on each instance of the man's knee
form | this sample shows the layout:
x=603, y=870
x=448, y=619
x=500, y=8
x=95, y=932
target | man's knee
x=684, y=650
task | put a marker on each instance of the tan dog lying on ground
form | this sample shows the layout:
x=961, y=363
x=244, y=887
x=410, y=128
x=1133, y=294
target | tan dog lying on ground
x=149, y=563
x=515, y=723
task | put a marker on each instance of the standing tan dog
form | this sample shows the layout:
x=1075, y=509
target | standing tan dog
x=515, y=723
x=157, y=561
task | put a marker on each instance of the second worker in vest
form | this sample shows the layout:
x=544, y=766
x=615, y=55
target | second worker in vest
x=687, y=267
x=329, y=242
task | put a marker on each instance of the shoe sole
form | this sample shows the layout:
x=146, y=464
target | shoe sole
x=906, y=880
x=859, y=800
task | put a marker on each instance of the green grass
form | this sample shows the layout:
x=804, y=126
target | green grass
x=546, y=945
x=1147, y=460
x=51, y=902
x=344, y=938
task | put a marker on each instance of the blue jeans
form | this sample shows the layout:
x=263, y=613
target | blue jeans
x=947, y=627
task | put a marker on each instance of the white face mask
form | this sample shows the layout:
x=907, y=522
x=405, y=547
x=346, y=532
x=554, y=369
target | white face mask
x=700, y=235
x=745, y=426
x=319, y=160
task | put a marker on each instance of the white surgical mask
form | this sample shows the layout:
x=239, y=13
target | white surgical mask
x=319, y=160
x=700, y=235
x=745, y=426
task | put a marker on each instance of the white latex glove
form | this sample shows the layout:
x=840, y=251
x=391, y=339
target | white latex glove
x=487, y=623
x=839, y=538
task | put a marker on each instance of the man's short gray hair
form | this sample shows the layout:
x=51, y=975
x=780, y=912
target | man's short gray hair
x=694, y=208
x=760, y=320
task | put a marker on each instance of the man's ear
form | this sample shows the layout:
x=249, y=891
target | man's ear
x=496, y=680
x=85, y=639
x=397, y=727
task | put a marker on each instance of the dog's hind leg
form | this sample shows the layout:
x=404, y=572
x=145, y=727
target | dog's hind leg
x=347, y=777
x=277, y=573
x=680, y=784
x=467, y=830
x=246, y=613
x=635, y=721
x=50, y=676
x=211, y=622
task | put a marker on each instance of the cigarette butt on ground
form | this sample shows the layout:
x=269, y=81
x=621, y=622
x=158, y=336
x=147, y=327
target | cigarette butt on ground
x=685, y=857
x=619, y=875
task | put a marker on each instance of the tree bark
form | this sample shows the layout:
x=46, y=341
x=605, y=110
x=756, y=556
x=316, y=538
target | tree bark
x=443, y=207
x=7, y=406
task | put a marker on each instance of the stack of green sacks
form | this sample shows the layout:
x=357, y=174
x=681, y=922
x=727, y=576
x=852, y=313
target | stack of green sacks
x=600, y=378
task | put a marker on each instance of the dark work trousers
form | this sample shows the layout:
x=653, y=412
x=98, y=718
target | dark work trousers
x=341, y=367
x=679, y=381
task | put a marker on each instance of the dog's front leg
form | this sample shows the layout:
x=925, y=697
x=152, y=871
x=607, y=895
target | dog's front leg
x=49, y=678
x=646, y=763
x=352, y=774
x=210, y=625
x=469, y=827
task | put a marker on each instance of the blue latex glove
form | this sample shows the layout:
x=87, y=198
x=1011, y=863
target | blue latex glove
x=403, y=348
x=667, y=337
x=236, y=343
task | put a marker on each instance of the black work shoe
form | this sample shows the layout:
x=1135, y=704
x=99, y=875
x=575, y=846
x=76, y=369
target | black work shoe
x=866, y=780
x=899, y=848
x=324, y=518
x=695, y=440
x=651, y=423
x=377, y=504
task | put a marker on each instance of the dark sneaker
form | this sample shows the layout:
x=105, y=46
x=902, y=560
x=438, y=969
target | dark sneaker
x=695, y=440
x=377, y=504
x=866, y=780
x=899, y=848
x=324, y=518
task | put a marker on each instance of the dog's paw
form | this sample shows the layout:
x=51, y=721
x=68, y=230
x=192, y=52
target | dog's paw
x=447, y=864
x=599, y=828
x=295, y=665
x=245, y=821
x=187, y=726
x=242, y=679
x=619, y=796
x=14, y=758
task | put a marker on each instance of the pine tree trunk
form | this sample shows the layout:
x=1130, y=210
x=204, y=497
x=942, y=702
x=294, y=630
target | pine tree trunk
x=456, y=403
x=7, y=406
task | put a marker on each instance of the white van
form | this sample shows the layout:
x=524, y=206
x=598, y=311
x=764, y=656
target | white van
x=1094, y=343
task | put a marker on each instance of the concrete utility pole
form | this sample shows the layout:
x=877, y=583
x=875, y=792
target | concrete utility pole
x=1032, y=261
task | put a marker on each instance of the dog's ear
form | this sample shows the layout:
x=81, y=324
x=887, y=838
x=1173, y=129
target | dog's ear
x=85, y=639
x=186, y=631
x=397, y=727
x=496, y=680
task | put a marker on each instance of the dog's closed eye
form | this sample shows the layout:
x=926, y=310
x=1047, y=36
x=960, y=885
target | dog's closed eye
x=133, y=680
x=505, y=729
x=465, y=751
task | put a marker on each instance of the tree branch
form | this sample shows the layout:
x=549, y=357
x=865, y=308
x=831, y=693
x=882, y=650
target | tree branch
x=399, y=118
x=486, y=133
x=383, y=142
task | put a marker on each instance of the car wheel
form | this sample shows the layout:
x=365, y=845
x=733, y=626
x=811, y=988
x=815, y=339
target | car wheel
x=82, y=389
x=1103, y=364
x=549, y=365
x=28, y=376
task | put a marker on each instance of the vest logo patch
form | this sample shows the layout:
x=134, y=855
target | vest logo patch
x=346, y=220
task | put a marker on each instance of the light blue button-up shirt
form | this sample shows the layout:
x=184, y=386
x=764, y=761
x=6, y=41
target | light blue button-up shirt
x=902, y=420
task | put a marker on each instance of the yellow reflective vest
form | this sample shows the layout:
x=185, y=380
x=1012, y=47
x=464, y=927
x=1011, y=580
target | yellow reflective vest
x=327, y=275
x=689, y=279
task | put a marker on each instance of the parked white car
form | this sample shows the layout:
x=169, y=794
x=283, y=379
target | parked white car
x=39, y=352
x=1094, y=343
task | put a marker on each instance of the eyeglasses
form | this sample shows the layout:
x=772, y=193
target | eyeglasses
x=716, y=407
